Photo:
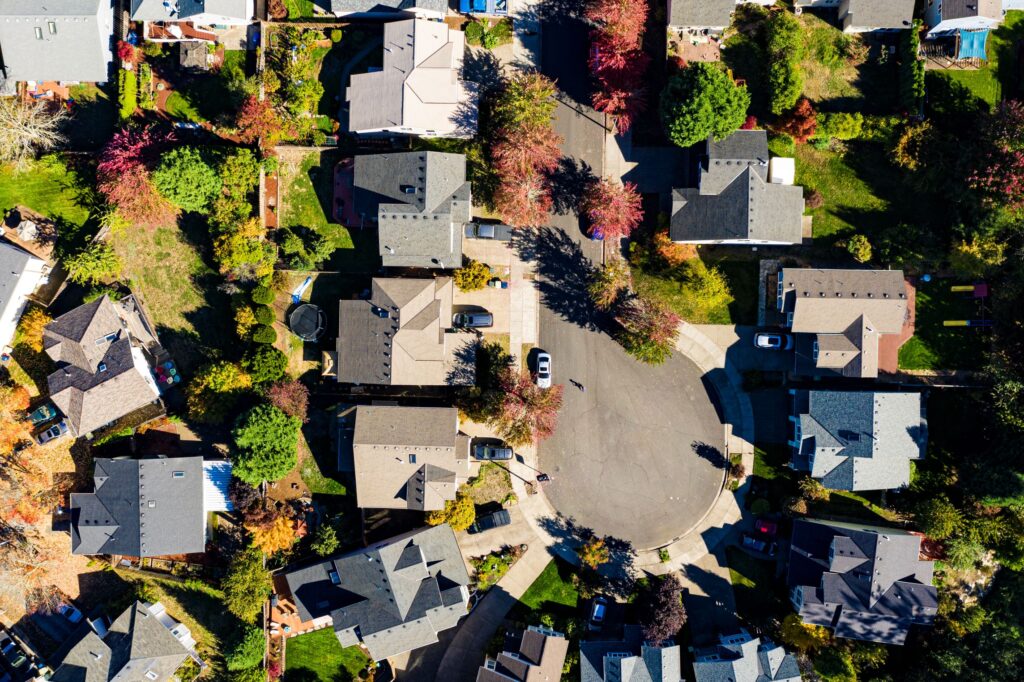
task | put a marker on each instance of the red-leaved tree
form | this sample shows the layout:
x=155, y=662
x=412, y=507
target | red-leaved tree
x=621, y=94
x=663, y=612
x=649, y=329
x=257, y=120
x=750, y=123
x=1000, y=172
x=617, y=61
x=122, y=176
x=801, y=122
x=289, y=396
x=527, y=413
x=613, y=209
x=528, y=150
x=523, y=201
x=621, y=22
x=128, y=53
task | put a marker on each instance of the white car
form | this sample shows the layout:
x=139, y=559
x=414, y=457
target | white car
x=769, y=341
x=543, y=370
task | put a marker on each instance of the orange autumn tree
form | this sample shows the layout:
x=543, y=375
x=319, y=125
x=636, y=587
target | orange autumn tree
x=273, y=537
x=14, y=426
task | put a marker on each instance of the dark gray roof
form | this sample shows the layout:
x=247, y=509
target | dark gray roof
x=961, y=9
x=393, y=597
x=629, y=660
x=540, y=658
x=135, y=644
x=48, y=40
x=879, y=13
x=101, y=374
x=859, y=440
x=742, y=658
x=141, y=508
x=421, y=201
x=701, y=13
x=155, y=10
x=13, y=264
x=865, y=582
x=735, y=201
x=377, y=6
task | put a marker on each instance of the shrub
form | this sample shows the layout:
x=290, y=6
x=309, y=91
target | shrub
x=473, y=276
x=246, y=585
x=263, y=295
x=475, y=32
x=264, y=314
x=335, y=35
x=782, y=144
x=93, y=264
x=146, y=99
x=325, y=541
x=760, y=506
x=214, y=390
x=265, y=363
x=127, y=93
x=911, y=69
x=859, y=247
x=800, y=123
x=245, y=320
x=976, y=258
x=266, y=440
x=264, y=333
x=840, y=126
x=938, y=518
x=813, y=198
x=785, y=46
x=186, y=180
x=702, y=100
x=247, y=652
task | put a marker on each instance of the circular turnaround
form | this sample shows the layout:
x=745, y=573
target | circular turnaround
x=639, y=450
x=307, y=321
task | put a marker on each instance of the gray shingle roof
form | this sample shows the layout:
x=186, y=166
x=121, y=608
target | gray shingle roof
x=377, y=6
x=154, y=10
x=56, y=40
x=866, y=582
x=742, y=658
x=859, y=440
x=878, y=14
x=735, y=201
x=393, y=597
x=421, y=201
x=701, y=13
x=540, y=658
x=136, y=643
x=961, y=9
x=401, y=336
x=629, y=660
x=13, y=265
x=141, y=508
x=101, y=374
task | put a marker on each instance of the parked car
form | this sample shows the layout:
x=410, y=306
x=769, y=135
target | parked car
x=55, y=431
x=492, y=453
x=11, y=652
x=759, y=544
x=597, y=613
x=493, y=520
x=501, y=233
x=766, y=527
x=69, y=612
x=42, y=414
x=474, y=320
x=543, y=370
x=770, y=341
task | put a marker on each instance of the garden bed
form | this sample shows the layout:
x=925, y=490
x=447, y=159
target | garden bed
x=489, y=570
x=491, y=484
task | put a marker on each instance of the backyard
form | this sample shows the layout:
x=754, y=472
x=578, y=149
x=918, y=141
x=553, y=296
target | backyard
x=552, y=593
x=1000, y=73
x=93, y=114
x=935, y=346
x=51, y=188
x=208, y=97
x=317, y=655
x=759, y=599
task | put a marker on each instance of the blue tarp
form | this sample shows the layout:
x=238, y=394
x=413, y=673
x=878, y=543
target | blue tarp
x=972, y=44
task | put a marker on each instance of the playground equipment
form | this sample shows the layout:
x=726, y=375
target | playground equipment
x=301, y=289
x=979, y=292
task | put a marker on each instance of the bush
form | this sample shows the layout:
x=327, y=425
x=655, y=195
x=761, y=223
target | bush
x=146, y=99
x=840, y=126
x=263, y=295
x=186, y=180
x=335, y=35
x=264, y=314
x=246, y=585
x=785, y=50
x=151, y=49
x=325, y=541
x=264, y=333
x=127, y=93
x=781, y=144
x=475, y=32
x=248, y=652
x=93, y=264
x=911, y=70
x=265, y=363
x=459, y=513
x=813, y=198
x=702, y=100
x=760, y=506
x=214, y=390
x=859, y=247
x=472, y=277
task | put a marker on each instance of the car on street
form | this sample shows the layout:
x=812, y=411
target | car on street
x=493, y=520
x=759, y=544
x=473, y=320
x=55, y=431
x=772, y=341
x=543, y=370
x=501, y=233
x=597, y=613
x=42, y=414
x=491, y=453
x=69, y=612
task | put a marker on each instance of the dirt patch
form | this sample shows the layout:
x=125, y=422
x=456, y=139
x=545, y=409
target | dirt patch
x=492, y=484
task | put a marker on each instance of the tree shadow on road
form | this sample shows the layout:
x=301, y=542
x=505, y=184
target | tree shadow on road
x=569, y=184
x=564, y=274
x=618, y=575
x=709, y=452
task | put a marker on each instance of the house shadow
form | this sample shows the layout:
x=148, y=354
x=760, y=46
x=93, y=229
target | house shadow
x=710, y=604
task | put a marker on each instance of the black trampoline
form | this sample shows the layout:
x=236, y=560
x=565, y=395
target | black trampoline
x=307, y=321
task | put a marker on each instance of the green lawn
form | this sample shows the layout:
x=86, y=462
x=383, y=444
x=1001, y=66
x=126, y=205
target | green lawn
x=179, y=106
x=93, y=116
x=211, y=96
x=299, y=9
x=759, y=596
x=48, y=187
x=551, y=592
x=935, y=346
x=318, y=655
x=742, y=278
x=1000, y=73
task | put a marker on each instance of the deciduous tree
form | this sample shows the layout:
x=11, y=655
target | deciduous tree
x=800, y=636
x=123, y=177
x=28, y=128
x=594, y=552
x=266, y=440
x=525, y=151
x=702, y=100
x=214, y=391
x=527, y=413
x=613, y=209
x=274, y=537
x=258, y=121
x=30, y=327
x=459, y=513
x=523, y=201
x=249, y=651
x=665, y=614
x=526, y=101
x=977, y=257
x=610, y=283
x=185, y=179
x=620, y=22
x=800, y=123
x=246, y=585
x=96, y=263
x=289, y=396
x=649, y=329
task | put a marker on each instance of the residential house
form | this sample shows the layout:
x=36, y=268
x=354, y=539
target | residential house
x=712, y=16
x=63, y=41
x=865, y=16
x=22, y=274
x=948, y=16
x=375, y=9
x=629, y=659
x=858, y=440
x=419, y=90
x=408, y=457
x=392, y=597
x=171, y=21
x=143, y=644
x=141, y=508
x=402, y=336
x=737, y=200
x=104, y=351
x=863, y=582
x=539, y=658
x=421, y=202
x=839, y=317
x=743, y=658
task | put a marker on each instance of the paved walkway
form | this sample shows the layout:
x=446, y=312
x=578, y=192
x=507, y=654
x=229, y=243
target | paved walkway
x=523, y=310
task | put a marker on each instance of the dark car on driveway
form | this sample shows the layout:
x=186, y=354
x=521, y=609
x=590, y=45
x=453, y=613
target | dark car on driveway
x=492, y=452
x=501, y=233
x=598, y=612
x=762, y=545
x=492, y=520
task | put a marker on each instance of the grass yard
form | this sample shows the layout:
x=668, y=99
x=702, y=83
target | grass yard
x=741, y=274
x=739, y=307
x=299, y=9
x=1000, y=72
x=759, y=596
x=93, y=116
x=180, y=107
x=934, y=346
x=850, y=202
x=552, y=592
x=211, y=96
x=178, y=289
x=49, y=187
x=319, y=654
